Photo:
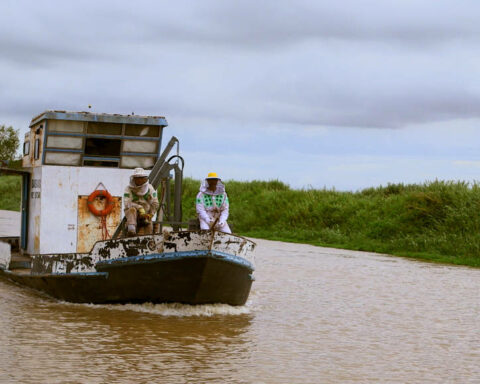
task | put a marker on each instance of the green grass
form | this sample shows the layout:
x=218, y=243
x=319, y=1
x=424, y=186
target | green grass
x=436, y=221
x=10, y=187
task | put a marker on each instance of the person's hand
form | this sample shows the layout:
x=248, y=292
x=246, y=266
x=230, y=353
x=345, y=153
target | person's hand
x=141, y=212
x=148, y=216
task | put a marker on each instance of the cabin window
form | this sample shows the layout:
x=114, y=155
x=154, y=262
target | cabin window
x=36, y=149
x=143, y=146
x=62, y=158
x=65, y=142
x=26, y=148
x=137, y=161
x=98, y=144
x=104, y=128
x=142, y=130
x=102, y=147
x=65, y=126
x=100, y=163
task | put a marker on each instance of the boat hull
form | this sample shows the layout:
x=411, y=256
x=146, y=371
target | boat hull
x=194, y=277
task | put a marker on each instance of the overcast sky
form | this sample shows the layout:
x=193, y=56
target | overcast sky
x=345, y=95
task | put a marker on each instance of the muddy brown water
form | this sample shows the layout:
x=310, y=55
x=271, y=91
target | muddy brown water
x=315, y=315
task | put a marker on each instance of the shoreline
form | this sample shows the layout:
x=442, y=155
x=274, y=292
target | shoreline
x=415, y=256
x=436, y=221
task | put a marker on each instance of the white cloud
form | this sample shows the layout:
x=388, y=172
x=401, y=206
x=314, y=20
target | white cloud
x=274, y=91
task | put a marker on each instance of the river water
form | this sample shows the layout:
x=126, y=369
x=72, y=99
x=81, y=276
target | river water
x=315, y=315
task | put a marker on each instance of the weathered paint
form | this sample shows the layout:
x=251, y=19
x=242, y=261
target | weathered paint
x=34, y=211
x=99, y=117
x=197, y=277
x=55, y=191
x=36, y=234
x=123, y=261
x=37, y=132
x=53, y=225
x=27, y=144
x=90, y=226
x=168, y=243
x=62, y=263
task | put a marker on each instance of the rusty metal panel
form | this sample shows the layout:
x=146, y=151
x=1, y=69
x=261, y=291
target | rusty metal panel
x=90, y=226
x=58, y=190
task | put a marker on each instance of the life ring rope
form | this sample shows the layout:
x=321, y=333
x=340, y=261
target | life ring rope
x=108, y=205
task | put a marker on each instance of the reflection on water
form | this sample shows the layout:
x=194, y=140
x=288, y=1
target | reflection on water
x=315, y=315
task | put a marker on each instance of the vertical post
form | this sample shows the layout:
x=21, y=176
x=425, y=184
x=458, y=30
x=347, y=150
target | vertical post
x=177, y=209
x=24, y=208
x=168, y=199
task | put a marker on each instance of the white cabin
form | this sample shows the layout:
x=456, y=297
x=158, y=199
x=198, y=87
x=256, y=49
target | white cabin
x=69, y=155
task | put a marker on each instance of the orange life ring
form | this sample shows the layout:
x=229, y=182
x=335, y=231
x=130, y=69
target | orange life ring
x=108, y=205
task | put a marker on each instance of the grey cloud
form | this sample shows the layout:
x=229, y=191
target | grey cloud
x=306, y=63
x=269, y=24
x=87, y=29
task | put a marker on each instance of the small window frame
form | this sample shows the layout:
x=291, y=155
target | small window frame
x=26, y=148
x=36, y=150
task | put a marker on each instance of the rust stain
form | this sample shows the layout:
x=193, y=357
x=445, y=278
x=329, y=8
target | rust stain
x=89, y=226
x=36, y=238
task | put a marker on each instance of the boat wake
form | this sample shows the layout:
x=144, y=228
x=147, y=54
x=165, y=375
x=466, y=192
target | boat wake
x=176, y=309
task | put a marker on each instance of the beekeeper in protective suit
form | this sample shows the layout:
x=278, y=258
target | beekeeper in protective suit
x=141, y=203
x=212, y=204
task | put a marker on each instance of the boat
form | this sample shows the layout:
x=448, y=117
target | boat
x=72, y=248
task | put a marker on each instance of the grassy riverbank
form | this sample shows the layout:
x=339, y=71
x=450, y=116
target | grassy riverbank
x=438, y=221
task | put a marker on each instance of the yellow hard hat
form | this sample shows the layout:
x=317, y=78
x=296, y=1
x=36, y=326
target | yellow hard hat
x=212, y=175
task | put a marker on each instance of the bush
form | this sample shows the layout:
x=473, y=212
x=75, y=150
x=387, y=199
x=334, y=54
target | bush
x=435, y=220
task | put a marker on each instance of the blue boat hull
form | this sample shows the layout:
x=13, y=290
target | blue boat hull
x=195, y=277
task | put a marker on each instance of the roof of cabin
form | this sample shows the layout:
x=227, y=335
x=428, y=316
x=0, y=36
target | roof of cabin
x=99, y=117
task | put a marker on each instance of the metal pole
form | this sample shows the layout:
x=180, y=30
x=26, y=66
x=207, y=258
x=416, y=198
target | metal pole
x=177, y=216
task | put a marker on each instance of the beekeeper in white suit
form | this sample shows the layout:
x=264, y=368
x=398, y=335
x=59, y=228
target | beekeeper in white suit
x=141, y=202
x=212, y=204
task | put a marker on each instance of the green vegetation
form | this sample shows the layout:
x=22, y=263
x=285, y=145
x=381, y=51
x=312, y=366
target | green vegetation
x=437, y=221
x=9, y=143
x=10, y=187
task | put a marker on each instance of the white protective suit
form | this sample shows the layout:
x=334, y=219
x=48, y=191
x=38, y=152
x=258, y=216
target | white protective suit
x=136, y=197
x=212, y=205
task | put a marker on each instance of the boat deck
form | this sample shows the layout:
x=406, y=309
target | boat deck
x=20, y=263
